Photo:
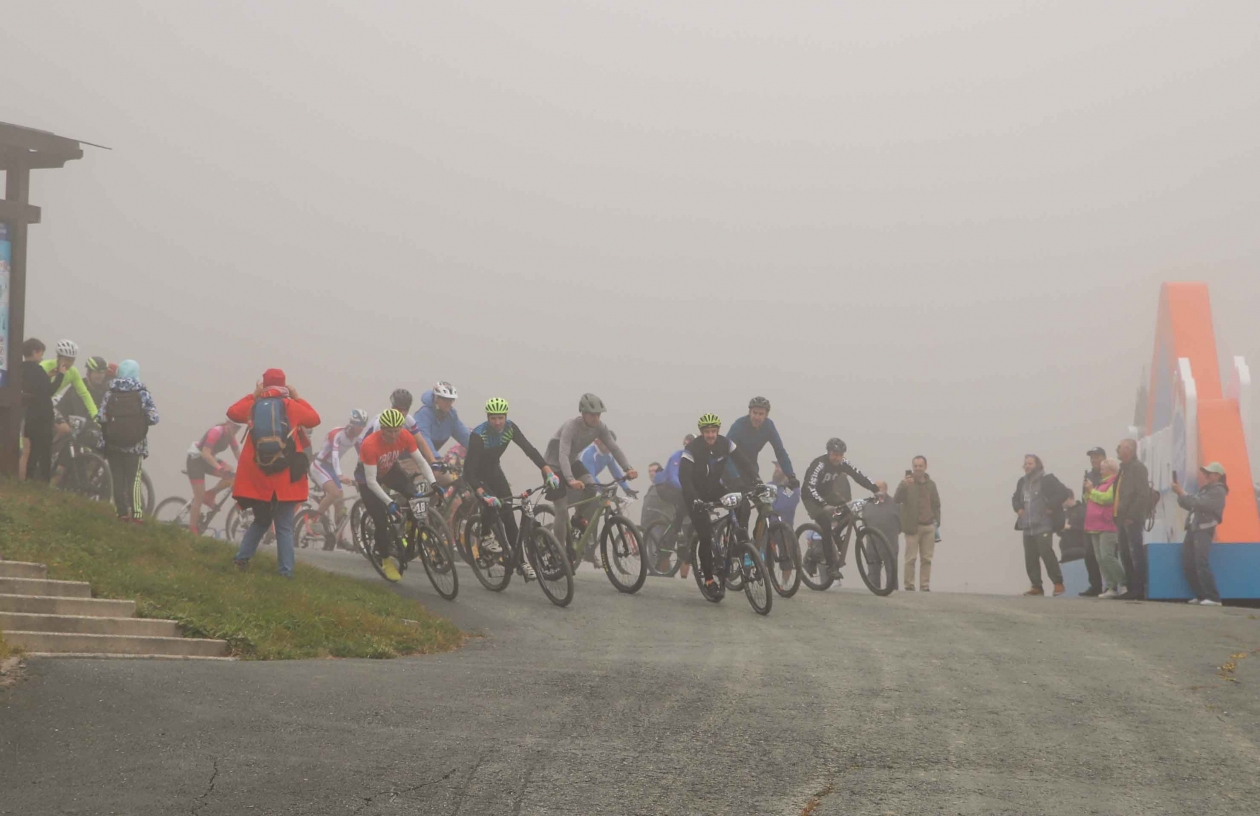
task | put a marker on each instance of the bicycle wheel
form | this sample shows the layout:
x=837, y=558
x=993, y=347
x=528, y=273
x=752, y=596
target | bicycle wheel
x=239, y=519
x=490, y=559
x=172, y=511
x=734, y=576
x=551, y=563
x=438, y=560
x=357, y=511
x=308, y=529
x=755, y=581
x=661, y=560
x=91, y=477
x=813, y=562
x=368, y=531
x=625, y=562
x=718, y=592
x=150, y=497
x=782, y=557
x=875, y=561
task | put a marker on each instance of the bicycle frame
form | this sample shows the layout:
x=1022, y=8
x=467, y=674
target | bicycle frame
x=609, y=504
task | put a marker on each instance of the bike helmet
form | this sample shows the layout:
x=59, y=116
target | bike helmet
x=836, y=445
x=358, y=417
x=400, y=399
x=759, y=402
x=445, y=389
x=496, y=405
x=591, y=404
x=67, y=348
x=393, y=418
x=709, y=421
x=97, y=364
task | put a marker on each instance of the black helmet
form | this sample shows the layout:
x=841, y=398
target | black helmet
x=836, y=445
x=759, y=402
x=400, y=399
x=97, y=364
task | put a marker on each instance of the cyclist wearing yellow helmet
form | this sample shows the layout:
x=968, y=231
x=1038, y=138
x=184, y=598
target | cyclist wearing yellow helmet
x=700, y=473
x=378, y=470
x=482, y=471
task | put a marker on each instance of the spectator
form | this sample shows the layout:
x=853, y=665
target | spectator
x=1094, y=476
x=788, y=498
x=1207, y=510
x=272, y=496
x=653, y=469
x=1133, y=503
x=38, y=387
x=671, y=491
x=1100, y=526
x=1038, y=503
x=125, y=414
x=883, y=514
x=920, y=516
x=1072, y=540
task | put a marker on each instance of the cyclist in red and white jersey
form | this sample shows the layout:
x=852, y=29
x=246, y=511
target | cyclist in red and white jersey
x=203, y=461
x=326, y=466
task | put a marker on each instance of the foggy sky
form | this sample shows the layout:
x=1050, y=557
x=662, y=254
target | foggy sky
x=933, y=228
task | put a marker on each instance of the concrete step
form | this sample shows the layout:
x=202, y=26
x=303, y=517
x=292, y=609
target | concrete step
x=45, y=586
x=22, y=569
x=46, y=605
x=70, y=642
x=85, y=625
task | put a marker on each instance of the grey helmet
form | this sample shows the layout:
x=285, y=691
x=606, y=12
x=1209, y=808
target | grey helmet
x=836, y=445
x=759, y=402
x=591, y=404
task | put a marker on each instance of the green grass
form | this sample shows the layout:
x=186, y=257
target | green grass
x=175, y=575
x=5, y=649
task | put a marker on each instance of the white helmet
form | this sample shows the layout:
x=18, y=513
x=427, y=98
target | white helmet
x=67, y=348
x=445, y=389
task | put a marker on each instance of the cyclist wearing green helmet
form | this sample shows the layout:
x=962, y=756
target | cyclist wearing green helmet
x=486, y=446
x=378, y=471
x=700, y=473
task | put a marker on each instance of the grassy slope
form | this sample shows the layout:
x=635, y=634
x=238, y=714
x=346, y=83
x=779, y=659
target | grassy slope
x=172, y=574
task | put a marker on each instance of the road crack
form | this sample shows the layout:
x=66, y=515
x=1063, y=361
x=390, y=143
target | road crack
x=397, y=793
x=816, y=800
x=201, y=800
x=463, y=789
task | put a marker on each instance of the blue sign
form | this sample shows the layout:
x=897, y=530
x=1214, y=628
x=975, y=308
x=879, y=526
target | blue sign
x=5, y=259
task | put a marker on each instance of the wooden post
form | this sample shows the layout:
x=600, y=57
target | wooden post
x=17, y=189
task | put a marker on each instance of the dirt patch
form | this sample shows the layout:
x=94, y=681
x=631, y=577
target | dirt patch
x=11, y=669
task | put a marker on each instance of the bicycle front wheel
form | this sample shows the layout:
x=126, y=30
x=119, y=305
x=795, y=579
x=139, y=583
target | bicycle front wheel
x=308, y=529
x=237, y=522
x=717, y=593
x=172, y=511
x=438, y=560
x=813, y=560
x=488, y=547
x=91, y=477
x=755, y=581
x=875, y=561
x=367, y=529
x=661, y=560
x=551, y=563
x=625, y=561
x=722, y=531
x=782, y=557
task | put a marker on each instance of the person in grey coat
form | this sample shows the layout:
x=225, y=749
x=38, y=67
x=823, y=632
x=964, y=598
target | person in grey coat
x=883, y=514
x=1207, y=510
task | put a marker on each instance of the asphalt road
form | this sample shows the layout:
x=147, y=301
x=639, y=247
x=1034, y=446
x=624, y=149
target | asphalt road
x=838, y=703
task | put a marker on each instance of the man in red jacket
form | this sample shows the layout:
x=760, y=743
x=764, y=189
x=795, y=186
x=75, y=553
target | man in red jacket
x=274, y=497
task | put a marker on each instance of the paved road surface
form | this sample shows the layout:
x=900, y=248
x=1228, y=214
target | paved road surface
x=840, y=703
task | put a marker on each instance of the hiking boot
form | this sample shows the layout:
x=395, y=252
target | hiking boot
x=389, y=566
x=1035, y=591
x=1092, y=592
x=909, y=588
x=810, y=564
x=1059, y=589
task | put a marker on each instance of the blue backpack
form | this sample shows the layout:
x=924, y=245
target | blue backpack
x=270, y=429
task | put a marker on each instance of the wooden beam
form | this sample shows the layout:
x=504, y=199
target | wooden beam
x=12, y=212
x=11, y=158
x=32, y=139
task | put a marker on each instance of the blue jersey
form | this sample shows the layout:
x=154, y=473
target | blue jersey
x=597, y=462
x=751, y=440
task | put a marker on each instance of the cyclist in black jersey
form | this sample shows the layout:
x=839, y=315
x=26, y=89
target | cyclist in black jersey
x=826, y=488
x=700, y=473
x=486, y=446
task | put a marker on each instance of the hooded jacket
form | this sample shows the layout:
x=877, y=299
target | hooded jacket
x=251, y=482
x=438, y=430
x=1207, y=507
x=121, y=384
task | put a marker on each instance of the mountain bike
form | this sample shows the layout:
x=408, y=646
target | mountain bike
x=175, y=510
x=777, y=543
x=494, y=558
x=312, y=528
x=871, y=550
x=86, y=471
x=736, y=562
x=665, y=546
x=415, y=536
x=619, y=538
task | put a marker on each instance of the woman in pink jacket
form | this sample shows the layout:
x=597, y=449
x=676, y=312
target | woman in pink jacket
x=1100, y=527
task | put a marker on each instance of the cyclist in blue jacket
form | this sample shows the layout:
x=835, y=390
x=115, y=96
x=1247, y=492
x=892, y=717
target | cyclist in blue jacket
x=751, y=433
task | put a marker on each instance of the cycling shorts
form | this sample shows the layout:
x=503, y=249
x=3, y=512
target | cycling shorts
x=322, y=474
x=198, y=469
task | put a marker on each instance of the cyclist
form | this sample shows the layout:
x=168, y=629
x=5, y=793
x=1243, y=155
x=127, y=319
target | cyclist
x=670, y=489
x=486, y=445
x=96, y=382
x=564, y=452
x=67, y=352
x=701, y=471
x=437, y=421
x=202, y=461
x=827, y=489
x=326, y=468
x=597, y=458
x=753, y=431
x=377, y=471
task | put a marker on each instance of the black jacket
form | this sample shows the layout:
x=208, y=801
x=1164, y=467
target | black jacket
x=825, y=483
x=1053, y=493
x=37, y=394
x=701, y=468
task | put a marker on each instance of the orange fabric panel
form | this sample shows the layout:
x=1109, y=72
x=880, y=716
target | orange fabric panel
x=1193, y=336
x=1221, y=440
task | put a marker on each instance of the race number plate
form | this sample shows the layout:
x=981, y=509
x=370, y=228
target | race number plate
x=419, y=506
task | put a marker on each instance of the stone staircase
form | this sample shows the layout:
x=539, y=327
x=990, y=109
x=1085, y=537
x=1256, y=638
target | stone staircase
x=61, y=618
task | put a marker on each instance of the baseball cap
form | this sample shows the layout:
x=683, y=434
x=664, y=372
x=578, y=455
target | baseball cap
x=1215, y=467
x=1098, y=451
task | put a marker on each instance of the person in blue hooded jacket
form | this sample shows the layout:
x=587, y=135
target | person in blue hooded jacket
x=751, y=432
x=437, y=420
